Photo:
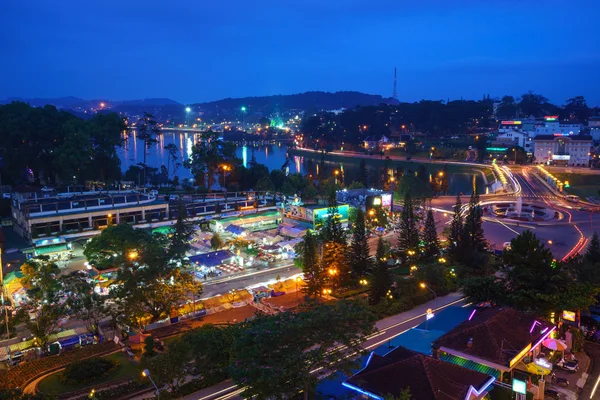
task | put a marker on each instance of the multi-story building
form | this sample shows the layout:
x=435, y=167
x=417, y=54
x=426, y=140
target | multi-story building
x=594, y=125
x=567, y=150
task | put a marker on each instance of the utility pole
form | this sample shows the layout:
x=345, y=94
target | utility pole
x=2, y=296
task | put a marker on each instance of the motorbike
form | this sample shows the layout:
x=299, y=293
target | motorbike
x=571, y=366
x=559, y=381
x=553, y=394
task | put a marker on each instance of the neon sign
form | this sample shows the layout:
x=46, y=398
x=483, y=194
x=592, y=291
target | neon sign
x=563, y=134
x=551, y=117
x=568, y=315
x=496, y=149
x=511, y=122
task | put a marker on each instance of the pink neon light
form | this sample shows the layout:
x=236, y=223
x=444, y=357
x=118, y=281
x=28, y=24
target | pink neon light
x=534, y=324
x=544, y=337
x=471, y=316
x=544, y=330
x=477, y=393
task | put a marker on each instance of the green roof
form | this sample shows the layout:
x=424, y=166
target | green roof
x=472, y=365
x=51, y=249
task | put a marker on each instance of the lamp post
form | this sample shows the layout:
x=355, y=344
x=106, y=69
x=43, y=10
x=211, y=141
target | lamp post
x=225, y=168
x=297, y=280
x=92, y=394
x=515, y=151
x=146, y=374
x=188, y=110
x=243, y=118
x=424, y=286
x=2, y=295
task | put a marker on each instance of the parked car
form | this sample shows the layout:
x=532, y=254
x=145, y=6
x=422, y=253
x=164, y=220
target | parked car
x=153, y=193
x=47, y=189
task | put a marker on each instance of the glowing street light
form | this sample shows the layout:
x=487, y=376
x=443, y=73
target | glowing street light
x=146, y=374
x=363, y=282
x=442, y=260
x=133, y=255
x=188, y=109
x=424, y=286
x=326, y=291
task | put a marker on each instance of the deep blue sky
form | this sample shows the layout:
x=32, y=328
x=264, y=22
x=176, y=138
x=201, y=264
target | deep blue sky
x=199, y=50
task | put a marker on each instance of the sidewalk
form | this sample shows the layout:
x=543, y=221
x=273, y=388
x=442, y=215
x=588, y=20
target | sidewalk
x=593, y=350
x=418, y=311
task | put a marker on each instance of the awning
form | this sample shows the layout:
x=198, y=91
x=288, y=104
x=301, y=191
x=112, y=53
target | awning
x=235, y=229
x=57, y=248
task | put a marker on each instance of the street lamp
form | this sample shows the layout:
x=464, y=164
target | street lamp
x=424, y=286
x=146, y=374
x=298, y=279
x=442, y=260
x=243, y=117
x=92, y=394
x=225, y=168
x=363, y=282
x=133, y=255
x=326, y=291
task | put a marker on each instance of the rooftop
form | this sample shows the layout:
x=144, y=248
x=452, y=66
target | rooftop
x=573, y=137
x=428, y=378
x=496, y=335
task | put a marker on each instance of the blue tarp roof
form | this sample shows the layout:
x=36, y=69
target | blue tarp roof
x=211, y=259
x=235, y=229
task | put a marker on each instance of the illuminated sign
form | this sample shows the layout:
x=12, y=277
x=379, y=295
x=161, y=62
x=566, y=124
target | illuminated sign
x=569, y=315
x=377, y=201
x=386, y=199
x=430, y=313
x=551, y=117
x=496, y=149
x=511, y=122
x=563, y=134
x=544, y=363
x=319, y=215
x=561, y=157
x=519, y=386
x=519, y=356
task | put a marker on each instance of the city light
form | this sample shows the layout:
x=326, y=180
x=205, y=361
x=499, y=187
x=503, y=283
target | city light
x=188, y=109
x=243, y=108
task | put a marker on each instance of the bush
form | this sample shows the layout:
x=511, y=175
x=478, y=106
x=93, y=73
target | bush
x=116, y=392
x=88, y=369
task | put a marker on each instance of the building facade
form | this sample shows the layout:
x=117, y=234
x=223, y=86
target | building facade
x=562, y=150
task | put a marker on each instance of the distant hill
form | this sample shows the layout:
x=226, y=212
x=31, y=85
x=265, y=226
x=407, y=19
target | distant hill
x=164, y=108
x=316, y=101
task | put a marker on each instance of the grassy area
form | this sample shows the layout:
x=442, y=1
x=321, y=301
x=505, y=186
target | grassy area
x=581, y=185
x=127, y=368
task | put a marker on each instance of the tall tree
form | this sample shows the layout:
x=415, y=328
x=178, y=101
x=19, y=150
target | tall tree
x=308, y=258
x=180, y=239
x=216, y=242
x=358, y=254
x=592, y=254
x=172, y=157
x=381, y=279
x=147, y=131
x=430, y=237
x=409, y=233
x=456, y=228
x=473, y=236
x=363, y=175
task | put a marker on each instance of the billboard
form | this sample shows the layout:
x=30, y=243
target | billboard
x=386, y=200
x=320, y=214
x=561, y=157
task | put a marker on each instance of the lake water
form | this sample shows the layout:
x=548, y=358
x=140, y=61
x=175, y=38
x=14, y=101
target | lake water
x=273, y=156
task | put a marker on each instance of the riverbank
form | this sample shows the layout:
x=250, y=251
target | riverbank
x=398, y=161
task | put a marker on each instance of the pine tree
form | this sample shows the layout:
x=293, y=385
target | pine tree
x=592, y=254
x=362, y=176
x=409, y=233
x=180, y=240
x=430, y=237
x=472, y=235
x=381, y=279
x=456, y=228
x=216, y=242
x=358, y=254
x=310, y=261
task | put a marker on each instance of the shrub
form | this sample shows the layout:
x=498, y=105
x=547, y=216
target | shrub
x=88, y=369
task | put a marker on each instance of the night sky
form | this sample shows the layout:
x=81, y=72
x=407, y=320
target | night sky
x=203, y=50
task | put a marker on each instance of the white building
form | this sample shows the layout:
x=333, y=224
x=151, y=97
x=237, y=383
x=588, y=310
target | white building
x=515, y=138
x=567, y=150
x=594, y=125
